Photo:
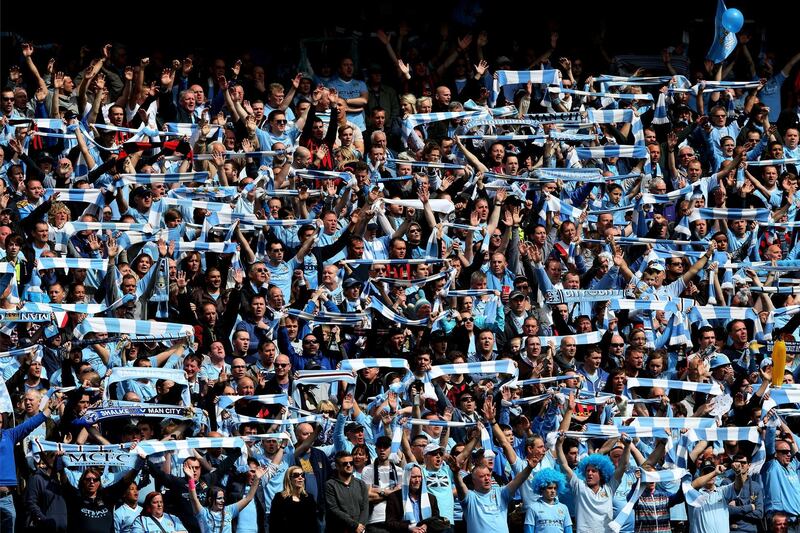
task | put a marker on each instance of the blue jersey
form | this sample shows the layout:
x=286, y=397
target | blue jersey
x=549, y=518
x=487, y=512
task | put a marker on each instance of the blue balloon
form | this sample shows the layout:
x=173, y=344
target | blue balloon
x=732, y=20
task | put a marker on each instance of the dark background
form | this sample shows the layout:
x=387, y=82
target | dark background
x=269, y=34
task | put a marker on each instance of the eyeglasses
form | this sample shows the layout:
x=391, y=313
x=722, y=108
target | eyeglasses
x=297, y=475
x=91, y=480
x=311, y=341
x=346, y=463
x=281, y=122
x=468, y=319
x=718, y=116
x=467, y=399
x=260, y=270
x=617, y=344
x=276, y=250
x=782, y=452
x=8, y=98
x=238, y=366
x=281, y=365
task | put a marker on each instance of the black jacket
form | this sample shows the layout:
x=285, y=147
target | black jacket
x=394, y=512
x=45, y=505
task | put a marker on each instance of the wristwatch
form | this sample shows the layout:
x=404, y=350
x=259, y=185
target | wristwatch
x=382, y=493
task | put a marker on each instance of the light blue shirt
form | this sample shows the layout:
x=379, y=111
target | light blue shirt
x=487, y=512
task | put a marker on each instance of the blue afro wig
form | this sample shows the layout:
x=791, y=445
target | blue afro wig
x=548, y=476
x=600, y=462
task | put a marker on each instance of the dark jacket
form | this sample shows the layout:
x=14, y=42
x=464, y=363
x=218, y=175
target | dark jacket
x=45, y=506
x=394, y=512
x=347, y=505
x=289, y=516
x=321, y=466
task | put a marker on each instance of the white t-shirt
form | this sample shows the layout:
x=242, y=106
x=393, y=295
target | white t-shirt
x=386, y=481
x=594, y=510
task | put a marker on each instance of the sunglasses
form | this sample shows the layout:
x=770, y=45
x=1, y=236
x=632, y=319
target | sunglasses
x=297, y=475
x=282, y=365
x=91, y=480
x=346, y=463
x=281, y=122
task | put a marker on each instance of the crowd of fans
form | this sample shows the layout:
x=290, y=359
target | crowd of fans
x=434, y=300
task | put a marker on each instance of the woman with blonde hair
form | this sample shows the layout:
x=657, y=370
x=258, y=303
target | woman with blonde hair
x=293, y=509
x=408, y=104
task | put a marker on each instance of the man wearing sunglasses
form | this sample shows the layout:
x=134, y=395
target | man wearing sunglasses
x=346, y=497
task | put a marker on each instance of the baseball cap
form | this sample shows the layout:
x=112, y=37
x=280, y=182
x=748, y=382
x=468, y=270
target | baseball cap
x=432, y=448
x=515, y=294
x=719, y=360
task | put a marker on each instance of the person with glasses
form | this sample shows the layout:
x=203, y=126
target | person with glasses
x=346, y=498
x=90, y=506
x=293, y=509
x=781, y=473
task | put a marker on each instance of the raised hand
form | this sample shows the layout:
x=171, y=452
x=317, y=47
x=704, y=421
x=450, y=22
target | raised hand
x=167, y=77
x=382, y=37
x=464, y=42
x=404, y=68
x=481, y=67
x=27, y=49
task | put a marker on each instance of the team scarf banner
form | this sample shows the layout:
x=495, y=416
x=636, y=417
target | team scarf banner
x=242, y=419
x=89, y=196
x=321, y=377
x=503, y=366
x=581, y=339
x=354, y=365
x=93, y=416
x=225, y=402
x=597, y=431
x=475, y=293
x=134, y=328
x=151, y=447
x=48, y=263
x=228, y=154
x=607, y=116
x=328, y=318
x=635, y=151
x=199, y=246
x=663, y=422
x=173, y=177
x=646, y=476
x=440, y=423
x=195, y=204
x=507, y=137
x=71, y=228
x=784, y=395
x=538, y=381
x=719, y=434
x=424, y=500
x=522, y=77
x=707, y=213
x=645, y=97
x=553, y=204
x=390, y=315
x=471, y=105
x=6, y=406
x=416, y=282
x=204, y=192
x=568, y=136
x=670, y=384
x=83, y=455
x=527, y=400
x=563, y=296
x=226, y=218
x=21, y=352
x=27, y=314
x=124, y=373
x=438, y=206
x=774, y=162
